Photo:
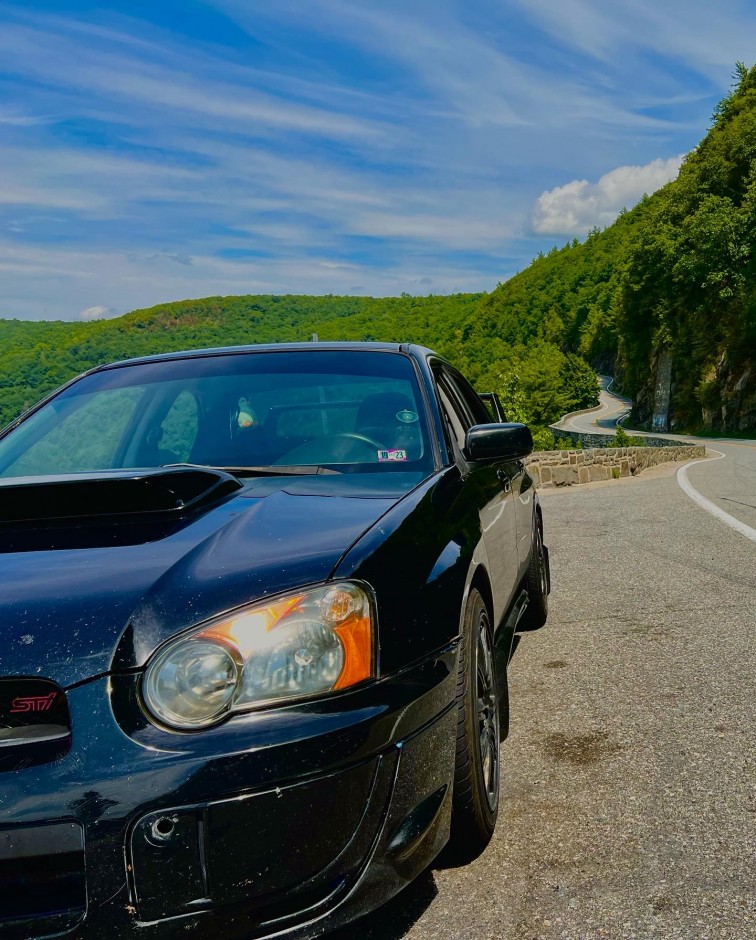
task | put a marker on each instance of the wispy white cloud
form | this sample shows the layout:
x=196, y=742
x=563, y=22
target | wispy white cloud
x=128, y=281
x=156, y=82
x=577, y=206
x=18, y=119
x=315, y=147
x=463, y=74
x=705, y=37
x=49, y=198
x=468, y=230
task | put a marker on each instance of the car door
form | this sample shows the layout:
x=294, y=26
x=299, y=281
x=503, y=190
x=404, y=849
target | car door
x=493, y=483
x=523, y=488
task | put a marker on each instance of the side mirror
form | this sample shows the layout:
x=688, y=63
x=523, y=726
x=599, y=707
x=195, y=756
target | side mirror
x=498, y=442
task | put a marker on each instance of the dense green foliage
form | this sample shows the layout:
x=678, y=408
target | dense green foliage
x=536, y=383
x=689, y=284
x=677, y=274
x=623, y=439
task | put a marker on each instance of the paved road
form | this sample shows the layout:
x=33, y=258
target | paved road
x=629, y=796
x=729, y=481
x=612, y=407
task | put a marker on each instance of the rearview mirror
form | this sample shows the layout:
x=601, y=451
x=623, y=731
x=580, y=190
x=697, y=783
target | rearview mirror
x=498, y=442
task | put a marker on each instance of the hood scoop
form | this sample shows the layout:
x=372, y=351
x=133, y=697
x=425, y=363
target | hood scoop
x=160, y=493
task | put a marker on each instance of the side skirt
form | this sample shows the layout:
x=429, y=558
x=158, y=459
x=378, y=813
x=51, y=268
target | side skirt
x=503, y=652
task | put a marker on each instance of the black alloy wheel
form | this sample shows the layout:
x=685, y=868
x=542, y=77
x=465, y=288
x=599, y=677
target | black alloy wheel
x=475, y=805
x=536, y=583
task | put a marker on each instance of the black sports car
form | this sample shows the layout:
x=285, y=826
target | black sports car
x=256, y=608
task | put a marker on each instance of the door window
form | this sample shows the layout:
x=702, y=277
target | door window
x=471, y=401
x=456, y=418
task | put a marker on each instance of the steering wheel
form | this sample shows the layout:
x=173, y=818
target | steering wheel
x=369, y=443
x=326, y=449
x=360, y=438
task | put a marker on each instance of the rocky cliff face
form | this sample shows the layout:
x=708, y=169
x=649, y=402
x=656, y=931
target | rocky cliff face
x=734, y=405
x=721, y=399
x=725, y=399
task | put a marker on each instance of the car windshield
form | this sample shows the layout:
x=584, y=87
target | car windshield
x=345, y=410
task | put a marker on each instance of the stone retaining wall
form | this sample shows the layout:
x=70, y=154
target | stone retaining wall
x=564, y=467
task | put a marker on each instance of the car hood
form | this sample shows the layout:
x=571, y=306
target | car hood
x=78, y=600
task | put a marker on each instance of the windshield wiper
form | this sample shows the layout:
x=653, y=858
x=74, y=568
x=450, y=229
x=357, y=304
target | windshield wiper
x=285, y=470
x=282, y=471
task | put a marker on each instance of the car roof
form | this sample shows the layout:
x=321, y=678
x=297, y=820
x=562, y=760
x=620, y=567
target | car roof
x=406, y=348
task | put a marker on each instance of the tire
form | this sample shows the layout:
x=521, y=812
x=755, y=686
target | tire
x=475, y=802
x=536, y=584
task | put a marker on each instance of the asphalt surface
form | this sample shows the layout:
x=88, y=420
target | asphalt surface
x=729, y=480
x=629, y=785
x=604, y=419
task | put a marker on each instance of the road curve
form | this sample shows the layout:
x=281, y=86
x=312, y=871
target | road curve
x=727, y=482
x=604, y=420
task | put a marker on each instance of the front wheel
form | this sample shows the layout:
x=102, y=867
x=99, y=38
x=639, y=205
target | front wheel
x=475, y=805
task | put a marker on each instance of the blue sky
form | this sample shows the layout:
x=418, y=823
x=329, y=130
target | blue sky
x=153, y=151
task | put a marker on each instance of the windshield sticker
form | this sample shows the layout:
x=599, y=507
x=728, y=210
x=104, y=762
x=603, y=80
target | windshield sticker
x=406, y=416
x=392, y=455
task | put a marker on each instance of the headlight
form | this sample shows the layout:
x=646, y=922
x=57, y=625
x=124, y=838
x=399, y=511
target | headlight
x=297, y=646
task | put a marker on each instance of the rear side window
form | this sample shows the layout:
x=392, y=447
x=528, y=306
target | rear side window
x=80, y=434
x=180, y=428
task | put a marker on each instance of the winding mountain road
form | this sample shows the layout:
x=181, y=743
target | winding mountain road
x=604, y=419
x=724, y=485
x=629, y=784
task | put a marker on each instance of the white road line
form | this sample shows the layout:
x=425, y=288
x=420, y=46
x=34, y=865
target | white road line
x=704, y=503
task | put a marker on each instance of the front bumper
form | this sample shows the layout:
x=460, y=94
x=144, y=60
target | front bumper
x=289, y=822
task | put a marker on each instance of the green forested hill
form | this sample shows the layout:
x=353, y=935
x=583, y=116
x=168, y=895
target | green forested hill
x=37, y=357
x=689, y=284
x=675, y=275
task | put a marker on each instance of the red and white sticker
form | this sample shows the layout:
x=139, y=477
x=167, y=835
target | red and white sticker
x=392, y=455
